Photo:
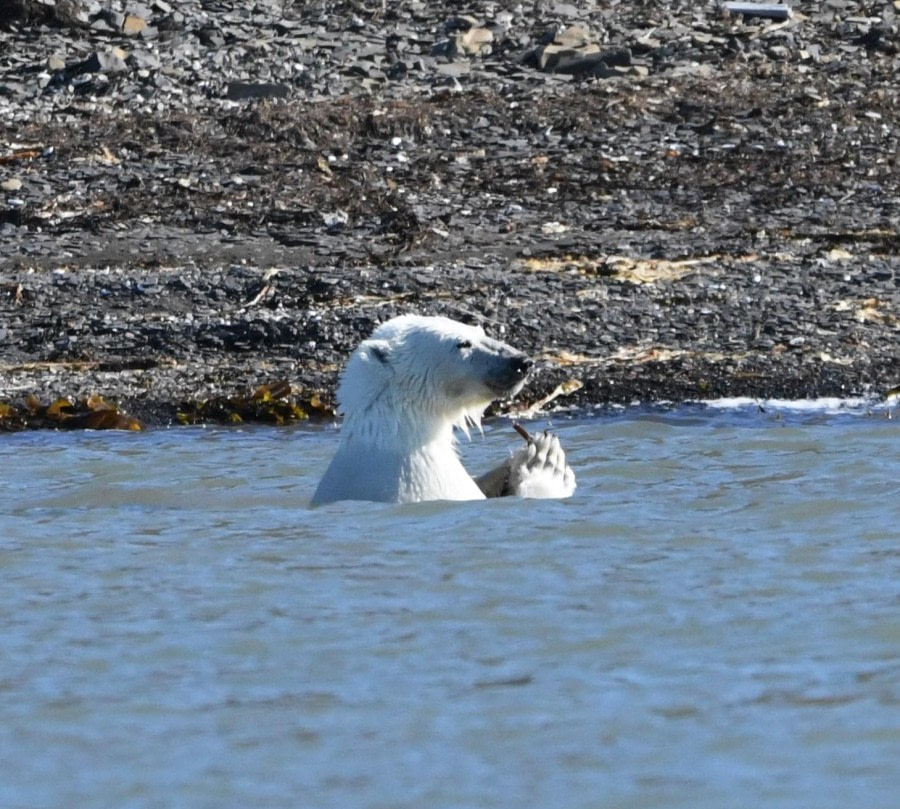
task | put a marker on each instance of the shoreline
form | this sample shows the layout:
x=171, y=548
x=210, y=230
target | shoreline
x=716, y=215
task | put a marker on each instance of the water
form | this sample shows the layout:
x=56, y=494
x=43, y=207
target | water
x=713, y=620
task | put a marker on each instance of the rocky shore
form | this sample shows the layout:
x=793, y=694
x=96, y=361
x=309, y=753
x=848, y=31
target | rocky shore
x=662, y=201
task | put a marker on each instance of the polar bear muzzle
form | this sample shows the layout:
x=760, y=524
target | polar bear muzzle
x=505, y=368
x=509, y=374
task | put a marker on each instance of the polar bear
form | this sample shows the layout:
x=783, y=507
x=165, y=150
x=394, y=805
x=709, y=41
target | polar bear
x=403, y=392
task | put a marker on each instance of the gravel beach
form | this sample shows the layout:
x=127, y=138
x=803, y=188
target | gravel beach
x=662, y=201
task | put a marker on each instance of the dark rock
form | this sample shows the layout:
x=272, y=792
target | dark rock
x=61, y=13
x=107, y=20
x=592, y=63
x=211, y=37
x=241, y=91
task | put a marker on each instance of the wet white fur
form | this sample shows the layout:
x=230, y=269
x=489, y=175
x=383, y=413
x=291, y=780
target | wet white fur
x=540, y=469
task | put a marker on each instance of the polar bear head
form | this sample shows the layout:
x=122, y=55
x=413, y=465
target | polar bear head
x=428, y=371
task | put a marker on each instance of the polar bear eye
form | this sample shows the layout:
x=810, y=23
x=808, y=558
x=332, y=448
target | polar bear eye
x=464, y=344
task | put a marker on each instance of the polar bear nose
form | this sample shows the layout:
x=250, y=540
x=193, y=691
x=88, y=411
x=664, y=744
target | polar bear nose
x=517, y=368
x=522, y=365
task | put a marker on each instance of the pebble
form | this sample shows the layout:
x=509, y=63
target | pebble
x=133, y=25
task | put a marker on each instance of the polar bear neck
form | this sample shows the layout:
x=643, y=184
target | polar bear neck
x=393, y=423
x=405, y=454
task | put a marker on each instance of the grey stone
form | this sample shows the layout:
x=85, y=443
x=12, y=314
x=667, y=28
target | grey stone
x=144, y=59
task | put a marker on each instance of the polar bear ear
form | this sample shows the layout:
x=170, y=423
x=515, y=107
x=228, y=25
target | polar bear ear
x=377, y=350
x=368, y=373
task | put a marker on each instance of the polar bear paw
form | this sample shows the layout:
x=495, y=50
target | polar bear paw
x=540, y=469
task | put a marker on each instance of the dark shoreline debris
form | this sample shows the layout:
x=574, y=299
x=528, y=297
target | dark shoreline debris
x=665, y=202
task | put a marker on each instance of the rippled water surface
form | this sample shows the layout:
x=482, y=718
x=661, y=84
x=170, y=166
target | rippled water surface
x=712, y=621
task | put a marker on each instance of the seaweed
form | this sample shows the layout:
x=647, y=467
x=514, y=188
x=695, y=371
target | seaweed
x=89, y=413
x=274, y=403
